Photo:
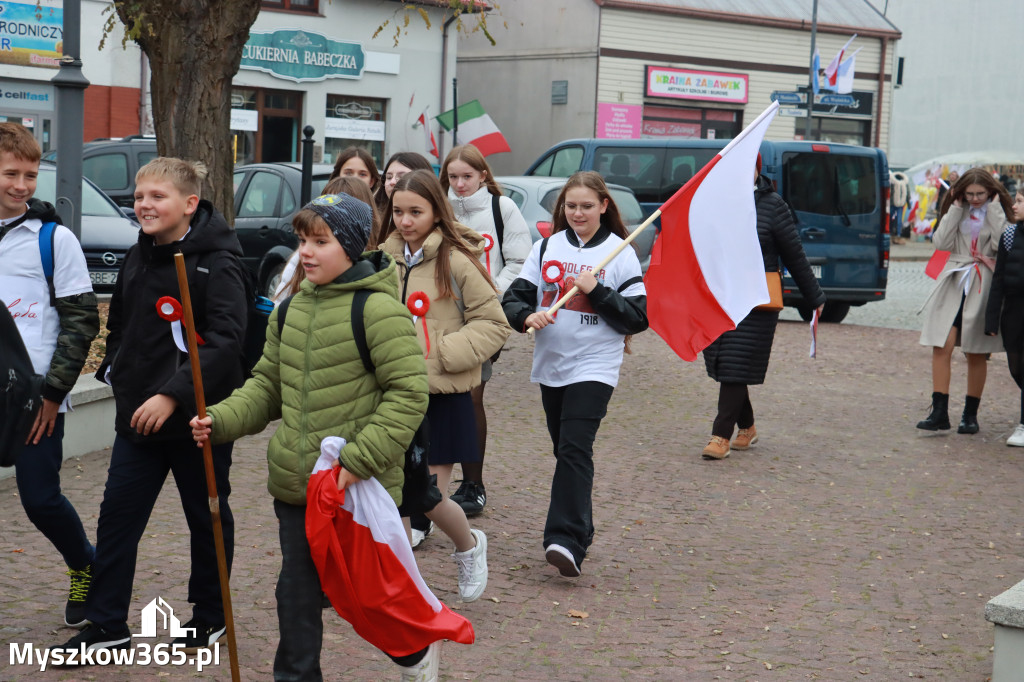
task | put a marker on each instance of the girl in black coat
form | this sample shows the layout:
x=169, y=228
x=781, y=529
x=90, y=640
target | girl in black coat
x=740, y=357
x=1005, y=309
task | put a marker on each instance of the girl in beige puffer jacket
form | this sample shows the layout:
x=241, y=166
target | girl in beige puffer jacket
x=460, y=324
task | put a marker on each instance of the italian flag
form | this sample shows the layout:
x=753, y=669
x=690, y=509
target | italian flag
x=475, y=128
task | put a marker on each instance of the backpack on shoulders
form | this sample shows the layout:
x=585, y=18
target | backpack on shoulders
x=21, y=390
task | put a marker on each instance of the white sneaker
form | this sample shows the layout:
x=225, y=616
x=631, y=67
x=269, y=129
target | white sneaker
x=418, y=536
x=472, y=565
x=1017, y=438
x=425, y=670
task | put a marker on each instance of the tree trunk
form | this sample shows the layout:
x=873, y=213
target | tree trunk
x=194, y=49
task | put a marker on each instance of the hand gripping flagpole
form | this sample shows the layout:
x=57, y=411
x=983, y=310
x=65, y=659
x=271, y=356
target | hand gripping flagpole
x=211, y=482
x=698, y=177
x=608, y=259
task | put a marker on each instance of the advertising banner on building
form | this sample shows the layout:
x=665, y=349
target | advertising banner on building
x=619, y=121
x=302, y=55
x=31, y=33
x=708, y=86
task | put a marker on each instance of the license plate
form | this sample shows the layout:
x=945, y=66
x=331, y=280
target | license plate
x=815, y=270
x=103, y=277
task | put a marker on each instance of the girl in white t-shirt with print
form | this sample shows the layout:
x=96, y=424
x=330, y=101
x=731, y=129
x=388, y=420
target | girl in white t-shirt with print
x=579, y=349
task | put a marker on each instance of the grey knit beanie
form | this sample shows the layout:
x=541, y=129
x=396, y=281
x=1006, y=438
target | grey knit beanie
x=348, y=218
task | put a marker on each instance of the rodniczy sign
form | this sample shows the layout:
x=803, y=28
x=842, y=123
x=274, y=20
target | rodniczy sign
x=302, y=55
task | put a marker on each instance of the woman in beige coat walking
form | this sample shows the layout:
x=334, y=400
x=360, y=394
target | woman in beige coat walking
x=972, y=217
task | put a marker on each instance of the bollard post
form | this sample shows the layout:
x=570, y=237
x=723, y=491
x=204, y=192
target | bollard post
x=307, y=164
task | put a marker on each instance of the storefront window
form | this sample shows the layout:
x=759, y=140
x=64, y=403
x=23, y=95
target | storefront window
x=691, y=122
x=354, y=122
x=265, y=124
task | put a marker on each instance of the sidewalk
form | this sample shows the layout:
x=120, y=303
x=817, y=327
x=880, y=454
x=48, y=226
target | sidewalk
x=911, y=250
x=847, y=545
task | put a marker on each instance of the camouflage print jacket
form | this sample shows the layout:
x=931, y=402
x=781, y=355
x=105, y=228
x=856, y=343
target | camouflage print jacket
x=79, y=325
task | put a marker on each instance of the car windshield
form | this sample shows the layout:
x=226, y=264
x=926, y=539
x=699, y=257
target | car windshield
x=94, y=202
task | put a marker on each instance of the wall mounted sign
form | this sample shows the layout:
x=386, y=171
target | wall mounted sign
x=32, y=33
x=708, y=86
x=351, y=129
x=619, y=121
x=302, y=56
x=245, y=119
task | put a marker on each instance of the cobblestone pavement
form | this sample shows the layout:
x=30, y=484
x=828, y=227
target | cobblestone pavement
x=908, y=288
x=846, y=545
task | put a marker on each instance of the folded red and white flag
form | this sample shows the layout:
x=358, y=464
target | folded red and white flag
x=366, y=566
x=706, y=272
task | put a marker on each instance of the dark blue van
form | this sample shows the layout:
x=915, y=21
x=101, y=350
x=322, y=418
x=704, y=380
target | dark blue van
x=838, y=194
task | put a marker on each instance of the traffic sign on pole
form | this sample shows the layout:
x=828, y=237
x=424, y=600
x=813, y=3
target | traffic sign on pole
x=789, y=97
x=838, y=100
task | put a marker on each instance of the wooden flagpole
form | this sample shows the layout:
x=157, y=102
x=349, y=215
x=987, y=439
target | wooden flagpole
x=211, y=482
x=608, y=259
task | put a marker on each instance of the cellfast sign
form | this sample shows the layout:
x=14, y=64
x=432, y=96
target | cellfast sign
x=699, y=85
x=301, y=56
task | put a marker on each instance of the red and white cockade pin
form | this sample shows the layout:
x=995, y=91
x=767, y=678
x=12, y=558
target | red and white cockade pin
x=553, y=272
x=169, y=309
x=419, y=305
x=488, y=245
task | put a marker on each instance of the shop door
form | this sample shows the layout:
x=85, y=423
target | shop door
x=40, y=126
x=279, y=116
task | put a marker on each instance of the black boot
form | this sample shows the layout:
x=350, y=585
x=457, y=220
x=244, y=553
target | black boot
x=938, y=418
x=969, y=422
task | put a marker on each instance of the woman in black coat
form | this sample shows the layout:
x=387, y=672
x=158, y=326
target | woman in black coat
x=740, y=357
x=1005, y=309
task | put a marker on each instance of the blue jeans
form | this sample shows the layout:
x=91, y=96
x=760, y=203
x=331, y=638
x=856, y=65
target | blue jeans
x=573, y=414
x=38, y=475
x=136, y=475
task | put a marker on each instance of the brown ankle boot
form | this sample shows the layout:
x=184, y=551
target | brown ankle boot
x=717, y=448
x=745, y=438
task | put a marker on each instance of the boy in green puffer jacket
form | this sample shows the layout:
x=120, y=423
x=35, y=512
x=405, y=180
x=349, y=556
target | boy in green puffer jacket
x=312, y=378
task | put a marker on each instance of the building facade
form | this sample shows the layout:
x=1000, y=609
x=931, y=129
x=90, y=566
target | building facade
x=307, y=62
x=682, y=68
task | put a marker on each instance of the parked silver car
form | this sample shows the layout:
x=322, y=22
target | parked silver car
x=106, y=233
x=536, y=196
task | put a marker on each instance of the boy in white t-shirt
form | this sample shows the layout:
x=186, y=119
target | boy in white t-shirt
x=57, y=326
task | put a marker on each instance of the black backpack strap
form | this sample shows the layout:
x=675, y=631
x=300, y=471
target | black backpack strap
x=359, y=328
x=499, y=222
x=282, y=310
x=543, y=248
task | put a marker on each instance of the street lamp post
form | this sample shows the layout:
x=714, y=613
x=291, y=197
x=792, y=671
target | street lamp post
x=70, y=84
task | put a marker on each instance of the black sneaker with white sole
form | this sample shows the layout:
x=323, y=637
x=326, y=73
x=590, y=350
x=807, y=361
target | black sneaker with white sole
x=472, y=497
x=562, y=559
x=202, y=635
x=90, y=639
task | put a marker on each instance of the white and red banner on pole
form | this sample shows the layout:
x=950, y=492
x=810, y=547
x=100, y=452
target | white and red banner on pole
x=428, y=135
x=832, y=70
x=706, y=271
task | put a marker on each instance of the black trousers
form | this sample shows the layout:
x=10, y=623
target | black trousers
x=300, y=604
x=734, y=409
x=573, y=414
x=136, y=475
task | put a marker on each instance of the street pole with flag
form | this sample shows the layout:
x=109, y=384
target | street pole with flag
x=815, y=67
x=706, y=271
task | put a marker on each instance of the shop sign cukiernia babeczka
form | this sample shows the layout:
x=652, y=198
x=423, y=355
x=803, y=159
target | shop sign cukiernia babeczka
x=302, y=55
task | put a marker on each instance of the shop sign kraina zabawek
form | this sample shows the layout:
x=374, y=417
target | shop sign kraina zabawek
x=708, y=86
x=302, y=55
x=31, y=33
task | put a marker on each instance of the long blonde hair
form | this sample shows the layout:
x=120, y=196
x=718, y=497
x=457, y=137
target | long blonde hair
x=469, y=154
